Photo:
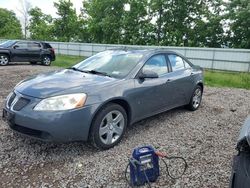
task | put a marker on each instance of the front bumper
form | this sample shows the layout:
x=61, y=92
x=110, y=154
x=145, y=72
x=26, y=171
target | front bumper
x=240, y=171
x=63, y=126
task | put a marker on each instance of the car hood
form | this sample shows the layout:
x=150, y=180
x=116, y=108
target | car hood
x=62, y=82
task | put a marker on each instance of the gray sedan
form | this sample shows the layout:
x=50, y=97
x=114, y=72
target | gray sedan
x=97, y=98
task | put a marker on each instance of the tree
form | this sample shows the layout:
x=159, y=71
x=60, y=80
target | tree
x=40, y=26
x=174, y=20
x=238, y=13
x=104, y=20
x=66, y=27
x=209, y=28
x=136, y=24
x=24, y=10
x=187, y=23
x=10, y=25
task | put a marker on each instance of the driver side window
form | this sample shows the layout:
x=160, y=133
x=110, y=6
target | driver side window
x=21, y=45
x=157, y=64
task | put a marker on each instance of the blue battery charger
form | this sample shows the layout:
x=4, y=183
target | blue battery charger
x=144, y=166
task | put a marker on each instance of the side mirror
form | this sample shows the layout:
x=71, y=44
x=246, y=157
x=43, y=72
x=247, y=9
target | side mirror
x=15, y=46
x=148, y=74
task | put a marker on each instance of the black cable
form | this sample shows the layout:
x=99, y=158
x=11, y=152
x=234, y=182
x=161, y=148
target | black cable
x=148, y=182
x=125, y=173
x=169, y=158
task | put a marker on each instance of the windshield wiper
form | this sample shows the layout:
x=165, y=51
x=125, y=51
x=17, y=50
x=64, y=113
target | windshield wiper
x=97, y=72
x=90, y=71
x=76, y=69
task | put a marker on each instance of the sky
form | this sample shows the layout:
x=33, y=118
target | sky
x=45, y=5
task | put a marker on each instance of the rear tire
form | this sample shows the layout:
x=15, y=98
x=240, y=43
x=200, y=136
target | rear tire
x=108, y=127
x=46, y=60
x=4, y=60
x=196, y=98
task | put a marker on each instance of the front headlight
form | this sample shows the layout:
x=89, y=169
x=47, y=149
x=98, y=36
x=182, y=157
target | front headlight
x=62, y=102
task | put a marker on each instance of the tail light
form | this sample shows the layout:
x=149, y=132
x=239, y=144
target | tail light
x=53, y=50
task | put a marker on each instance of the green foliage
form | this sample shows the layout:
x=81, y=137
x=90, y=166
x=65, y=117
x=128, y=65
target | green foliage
x=155, y=22
x=66, y=26
x=104, y=20
x=193, y=23
x=187, y=23
x=136, y=26
x=40, y=25
x=227, y=79
x=239, y=16
x=10, y=25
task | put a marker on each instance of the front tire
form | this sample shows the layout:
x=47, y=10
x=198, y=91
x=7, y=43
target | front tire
x=195, y=100
x=108, y=126
x=4, y=60
x=46, y=60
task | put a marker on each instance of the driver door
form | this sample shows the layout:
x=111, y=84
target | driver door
x=151, y=94
x=20, y=52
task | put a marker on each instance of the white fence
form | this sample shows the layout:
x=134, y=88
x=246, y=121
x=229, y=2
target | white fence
x=212, y=58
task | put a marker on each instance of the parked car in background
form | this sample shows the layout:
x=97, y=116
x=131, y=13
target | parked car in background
x=26, y=51
x=97, y=98
x=240, y=176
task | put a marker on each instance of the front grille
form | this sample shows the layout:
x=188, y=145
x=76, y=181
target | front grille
x=17, y=101
x=10, y=100
x=20, y=104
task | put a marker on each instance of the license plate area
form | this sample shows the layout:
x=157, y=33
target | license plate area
x=8, y=116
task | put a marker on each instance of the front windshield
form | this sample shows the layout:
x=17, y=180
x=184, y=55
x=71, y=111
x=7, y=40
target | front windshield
x=116, y=64
x=7, y=43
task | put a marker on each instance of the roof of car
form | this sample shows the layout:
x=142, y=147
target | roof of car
x=143, y=51
x=28, y=41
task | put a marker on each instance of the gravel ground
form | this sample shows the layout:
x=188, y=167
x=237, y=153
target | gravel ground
x=206, y=138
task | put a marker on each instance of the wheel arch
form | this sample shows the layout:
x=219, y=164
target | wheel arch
x=7, y=54
x=201, y=85
x=47, y=55
x=120, y=101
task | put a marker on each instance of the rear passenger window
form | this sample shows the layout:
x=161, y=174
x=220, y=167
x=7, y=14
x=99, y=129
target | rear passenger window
x=34, y=45
x=176, y=62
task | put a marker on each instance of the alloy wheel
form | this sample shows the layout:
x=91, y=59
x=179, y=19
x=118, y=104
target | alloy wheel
x=197, y=98
x=4, y=60
x=112, y=127
x=46, y=60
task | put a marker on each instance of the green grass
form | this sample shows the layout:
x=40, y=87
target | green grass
x=212, y=78
x=227, y=79
x=66, y=60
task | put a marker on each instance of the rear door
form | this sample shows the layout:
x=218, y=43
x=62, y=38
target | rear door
x=181, y=78
x=34, y=51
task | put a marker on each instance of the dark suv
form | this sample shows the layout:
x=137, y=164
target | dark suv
x=26, y=51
